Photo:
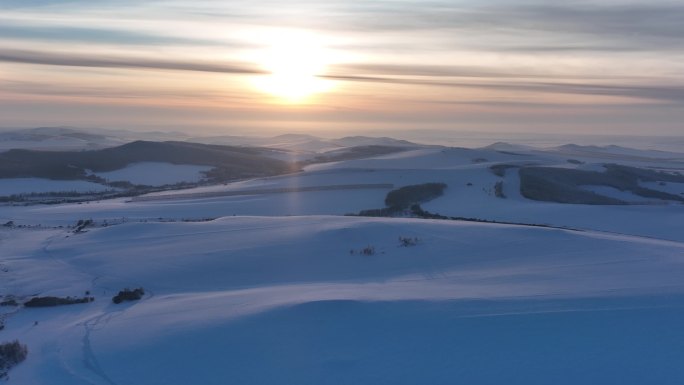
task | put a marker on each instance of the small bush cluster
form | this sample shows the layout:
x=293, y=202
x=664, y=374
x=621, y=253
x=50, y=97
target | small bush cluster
x=128, y=295
x=498, y=190
x=407, y=241
x=82, y=224
x=11, y=353
x=56, y=301
x=368, y=250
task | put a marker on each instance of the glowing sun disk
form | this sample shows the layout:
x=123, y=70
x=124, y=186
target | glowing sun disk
x=294, y=62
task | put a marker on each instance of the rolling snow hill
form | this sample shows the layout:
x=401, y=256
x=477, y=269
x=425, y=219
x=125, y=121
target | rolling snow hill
x=264, y=300
x=265, y=281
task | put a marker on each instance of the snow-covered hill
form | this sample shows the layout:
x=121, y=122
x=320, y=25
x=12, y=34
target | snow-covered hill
x=264, y=281
x=264, y=300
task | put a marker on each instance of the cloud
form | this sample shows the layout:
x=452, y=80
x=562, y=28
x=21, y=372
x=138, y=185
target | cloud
x=92, y=35
x=444, y=71
x=541, y=26
x=77, y=60
x=652, y=92
x=495, y=25
x=10, y=4
x=435, y=76
x=113, y=92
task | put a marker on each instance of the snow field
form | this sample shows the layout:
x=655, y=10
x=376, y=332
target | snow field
x=261, y=300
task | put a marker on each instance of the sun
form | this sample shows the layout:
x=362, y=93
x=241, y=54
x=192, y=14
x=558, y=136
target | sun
x=294, y=62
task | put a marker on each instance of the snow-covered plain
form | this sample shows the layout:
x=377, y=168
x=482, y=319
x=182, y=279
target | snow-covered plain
x=277, y=291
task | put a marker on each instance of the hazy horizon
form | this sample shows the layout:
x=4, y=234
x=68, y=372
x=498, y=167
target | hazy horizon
x=352, y=66
x=444, y=137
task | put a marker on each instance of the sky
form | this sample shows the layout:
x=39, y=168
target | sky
x=245, y=67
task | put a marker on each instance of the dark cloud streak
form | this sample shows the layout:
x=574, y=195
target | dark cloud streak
x=435, y=76
x=562, y=27
x=93, y=35
x=654, y=92
x=74, y=60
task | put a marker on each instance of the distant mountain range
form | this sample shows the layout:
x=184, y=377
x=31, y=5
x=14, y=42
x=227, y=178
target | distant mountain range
x=56, y=138
x=305, y=143
x=70, y=153
x=67, y=138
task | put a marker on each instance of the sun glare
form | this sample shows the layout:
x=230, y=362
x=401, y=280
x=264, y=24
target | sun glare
x=294, y=62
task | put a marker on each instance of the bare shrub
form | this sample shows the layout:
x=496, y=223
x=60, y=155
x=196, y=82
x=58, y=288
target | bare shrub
x=11, y=353
x=128, y=295
x=408, y=241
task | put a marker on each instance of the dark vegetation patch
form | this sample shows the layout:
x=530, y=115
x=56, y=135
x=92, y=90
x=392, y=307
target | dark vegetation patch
x=56, y=301
x=368, y=250
x=500, y=169
x=498, y=190
x=236, y=161
x=228, y=163
x=11, y=354
x=418, y=212
x=565, y=185
x=383, y=212
x=128, y=295
x=408, y=241
x=82, y=224
x=404, y=197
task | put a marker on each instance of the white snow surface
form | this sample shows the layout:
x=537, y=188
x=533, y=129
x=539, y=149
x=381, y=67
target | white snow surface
x=156, y=173
x=265, y=300
x=276, y=291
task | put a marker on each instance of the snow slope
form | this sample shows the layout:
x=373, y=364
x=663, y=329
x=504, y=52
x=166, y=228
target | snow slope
x=39, y=185
x=264, y=300
x=156, y=173
x=277, y=291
